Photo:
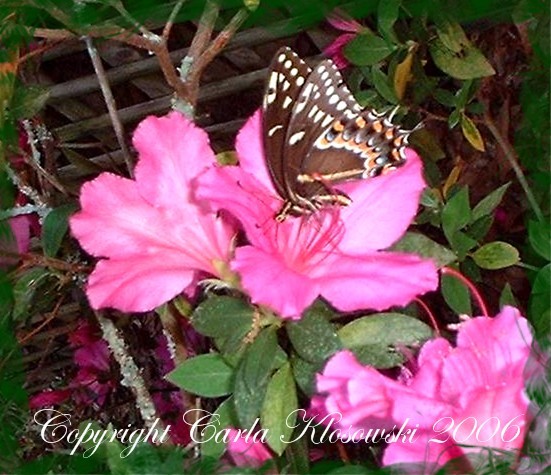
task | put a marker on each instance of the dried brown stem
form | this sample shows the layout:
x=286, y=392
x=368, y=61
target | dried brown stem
x=110, y=102
x=53, y=314
x=512, y=158
x=37, y=260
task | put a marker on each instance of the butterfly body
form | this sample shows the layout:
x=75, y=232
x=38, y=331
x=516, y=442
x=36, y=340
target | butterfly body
x=316, y=135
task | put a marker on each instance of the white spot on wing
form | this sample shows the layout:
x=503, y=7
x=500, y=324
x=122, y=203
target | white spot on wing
x=341, y=106
x=333, y=99
x=328, y=119
x=294, y=72
x=313, y=110
x=300, y=81
x=287, y=102
x=287, y=64
x=296, y=137
x=274, y=129
x=319, y=115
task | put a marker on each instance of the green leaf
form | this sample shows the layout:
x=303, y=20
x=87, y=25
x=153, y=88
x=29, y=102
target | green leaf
x=540, y=306
x=444, y=97
x=227, y=318
x=539, y=234
x=471, y=133
x=374, y=338
x=205, y=375
x=222, y=418
x=430, y=199
x=252, y=376
x=456, y=295
x=456, y=213
x=507, y=297
x=387, y=14
x=461, y=244
x=367, y=49
x=489, y=203
x=417, y=243
x=479, y=229
x=25, y=290
x=454, y=118
x=451, y=35
x=469, y=63
x=313, y=337
x=55, y=227
x=305, y=374
x=496, y=255
x=463, y=95
x=28, y=101
x=382, y=85
x=280, y=402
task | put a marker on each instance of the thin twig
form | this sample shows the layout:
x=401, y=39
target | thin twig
x=186, y=100
x=511, y=157
x=34, y=161
x=53, y=314
x=221, y=39
x=117, y=5
x=118, y=34
x=171, y=18
x=110, y=102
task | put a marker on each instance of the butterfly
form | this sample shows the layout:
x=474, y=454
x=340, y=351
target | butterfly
x=316, y=135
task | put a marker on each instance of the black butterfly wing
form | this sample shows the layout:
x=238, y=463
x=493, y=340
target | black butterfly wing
x=288, y=74
x=323, y=101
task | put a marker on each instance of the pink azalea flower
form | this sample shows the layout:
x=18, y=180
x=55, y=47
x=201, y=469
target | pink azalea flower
x=154, y=237
x=246, y=452
x=335, y=50
x=337, y=253
x=481, y=379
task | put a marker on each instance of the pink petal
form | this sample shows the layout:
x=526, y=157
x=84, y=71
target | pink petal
x=172, y=151
x=505, y=402
x=232, y=189
x=428, y=454
x=246, y=453
x=250, y=150
x=137, y=284
x=344, y=24
x=508, y=326
x=21, y=226
x=17, y=241
x=430, y=361
x=49, y=398
x=115, y=219
x=268, y=281
x=130, y=226
x=335, y=50
x=338, y=369
x=382, y=208
x=377, y=281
